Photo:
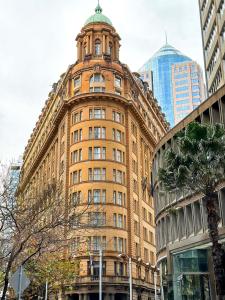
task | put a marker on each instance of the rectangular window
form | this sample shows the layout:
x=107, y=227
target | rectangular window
x=114, y=220
x=90, y=153
x=103, y=133
x=97, y=153
x=74, y=157
x=114, y=197
x=97, y=89
x=75, y=198
x=178, y=76
x=183, y=108
x=76, y=177
x=119, y=157
x=145, y=234
x=97, y=113
x=89, y=196
x=151, y=237
x=119, y=176
x=134, y=147
x=97, y=196
x=196, y=94
x=181, y=82
x=103, y=196
x=194, y=74
x=97, y=174
x=80, y=154
x=75, y=136
x=103, y=153
x=136, y=228
x=90, y=133
x=114, y=175
x=96, y=219
x=137, y=249
x=120, y=221
x=195, y=88
x=196, y=100
x=120, y=245
x=115, y=243
x=183, y=95
x=146, y=255
x=77, y=82
x=97, y=132
x=96, y=244
x=117, y=135
x=117, y=117
x=120, y=198
x=183, y=101
x=182, y=88
x=118, y=81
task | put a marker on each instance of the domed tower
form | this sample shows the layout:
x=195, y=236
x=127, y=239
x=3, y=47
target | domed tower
x=96, y=136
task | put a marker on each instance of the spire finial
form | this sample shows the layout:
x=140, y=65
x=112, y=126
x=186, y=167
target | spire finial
x=166, y=36
x=98, y=9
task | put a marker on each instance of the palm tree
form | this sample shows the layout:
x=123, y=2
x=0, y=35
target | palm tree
x=196, y=164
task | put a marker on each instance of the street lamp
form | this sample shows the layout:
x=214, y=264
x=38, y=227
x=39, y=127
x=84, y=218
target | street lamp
x=100, y=273
x=155, y=270
x=130, y=272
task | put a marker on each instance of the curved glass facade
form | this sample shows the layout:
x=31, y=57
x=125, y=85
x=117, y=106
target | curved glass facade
x=161, y=66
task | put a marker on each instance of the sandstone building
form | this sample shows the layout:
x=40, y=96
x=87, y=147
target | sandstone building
x=95, y=136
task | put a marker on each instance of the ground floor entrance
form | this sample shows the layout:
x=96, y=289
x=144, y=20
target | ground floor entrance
x=95, y=296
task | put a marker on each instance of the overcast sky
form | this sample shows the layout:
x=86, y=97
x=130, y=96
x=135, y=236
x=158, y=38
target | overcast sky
x=37, y=43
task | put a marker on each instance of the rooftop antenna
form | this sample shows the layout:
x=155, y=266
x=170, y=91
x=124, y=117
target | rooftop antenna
x=166, y=36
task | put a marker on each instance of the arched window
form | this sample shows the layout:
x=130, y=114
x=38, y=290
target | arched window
x=97, y=78
x=97, y=83
x=97, y=47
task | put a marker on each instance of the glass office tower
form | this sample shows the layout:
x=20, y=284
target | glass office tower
x=158, y=70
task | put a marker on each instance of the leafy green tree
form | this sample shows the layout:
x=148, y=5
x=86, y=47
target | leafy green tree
x=52, y=268
x=196, y=164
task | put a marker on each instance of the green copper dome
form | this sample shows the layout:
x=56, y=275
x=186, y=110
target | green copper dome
x=98, y=17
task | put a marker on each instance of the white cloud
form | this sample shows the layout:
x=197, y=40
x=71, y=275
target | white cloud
x=38, y=43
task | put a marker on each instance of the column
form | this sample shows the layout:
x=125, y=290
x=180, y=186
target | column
x=86, y=297
x=91, y=43
x=103, y=44
x=106, y=44
x=80, y=297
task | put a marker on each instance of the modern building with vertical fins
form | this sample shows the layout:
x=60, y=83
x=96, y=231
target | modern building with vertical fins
x=95, y=136
x=212, y=16
x=182, y=240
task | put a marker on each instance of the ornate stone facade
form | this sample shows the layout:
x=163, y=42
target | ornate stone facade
x=96, y=136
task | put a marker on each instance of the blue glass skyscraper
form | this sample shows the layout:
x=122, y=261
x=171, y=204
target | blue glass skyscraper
x=158, y=72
